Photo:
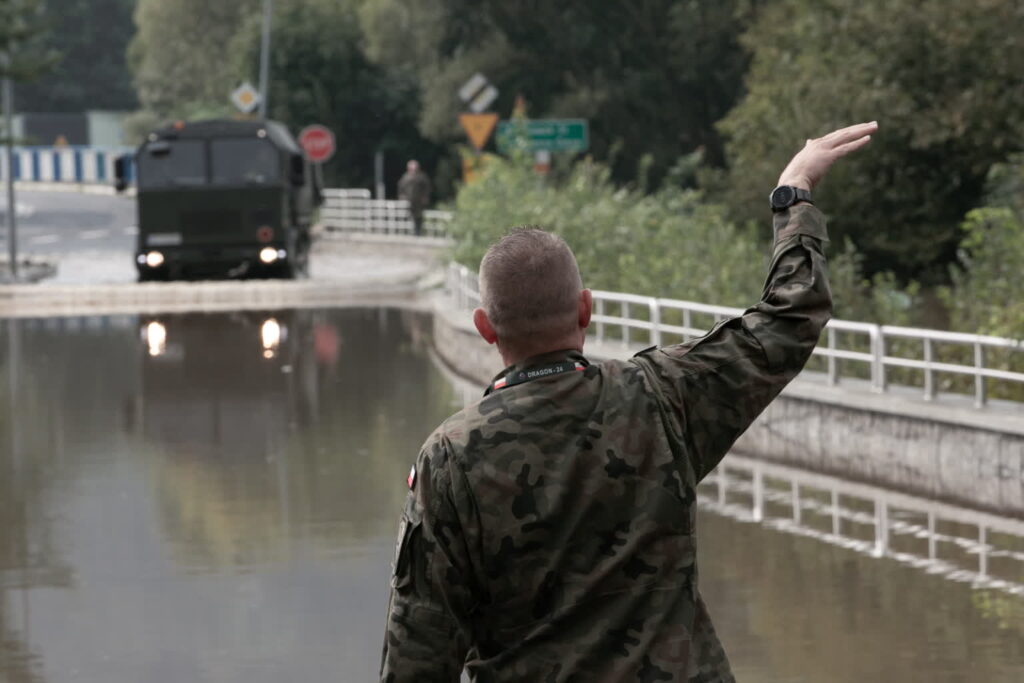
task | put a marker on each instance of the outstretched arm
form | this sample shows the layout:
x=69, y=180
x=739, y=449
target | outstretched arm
x=717, y=385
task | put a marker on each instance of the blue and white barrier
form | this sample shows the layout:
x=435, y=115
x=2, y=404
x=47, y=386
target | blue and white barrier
x=68, y=164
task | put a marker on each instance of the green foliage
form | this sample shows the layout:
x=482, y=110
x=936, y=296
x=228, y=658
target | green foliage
x=987, y=291
x=182, y=55
x=91, y=72
x=665, y=244
x=941, y=76
x=24, y=55
x=320, y=74
x=988, y=294
x=652, y=76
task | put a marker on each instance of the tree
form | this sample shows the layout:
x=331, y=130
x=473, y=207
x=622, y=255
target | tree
x=23, y=55
x=182, y=55
x=941, y=76
x=652, y=76
x=91, y=72
x=987, y=294
x=320, y=74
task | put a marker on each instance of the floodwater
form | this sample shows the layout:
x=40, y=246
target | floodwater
x=214, y=497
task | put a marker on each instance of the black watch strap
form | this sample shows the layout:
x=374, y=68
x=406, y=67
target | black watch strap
x=785, y=196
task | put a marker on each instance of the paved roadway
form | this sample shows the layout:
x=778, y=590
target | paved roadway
x=61, y=223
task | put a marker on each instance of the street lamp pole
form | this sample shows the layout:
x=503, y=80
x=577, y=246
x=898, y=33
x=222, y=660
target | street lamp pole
x=12, y=224
x=265, y=58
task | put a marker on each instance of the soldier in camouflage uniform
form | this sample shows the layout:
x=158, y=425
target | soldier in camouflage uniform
x=550, y=530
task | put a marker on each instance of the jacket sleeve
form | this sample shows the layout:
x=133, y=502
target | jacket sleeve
x=716, y=386
x=428, y=633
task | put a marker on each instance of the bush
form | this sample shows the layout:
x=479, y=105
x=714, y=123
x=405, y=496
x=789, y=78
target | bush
x=668, y=243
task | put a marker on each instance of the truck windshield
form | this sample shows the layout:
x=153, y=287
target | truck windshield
x=172, y=165
x=244, y=161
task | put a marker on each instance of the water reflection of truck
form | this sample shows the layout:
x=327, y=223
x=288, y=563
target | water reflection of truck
x=236, y=382
x=222, y=198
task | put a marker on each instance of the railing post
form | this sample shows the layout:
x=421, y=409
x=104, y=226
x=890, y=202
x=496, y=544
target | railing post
x=687, y=323
x=929, y=380
x=655, y=338
x=979, y=379
x=881, y=528
x=982, y=550
x=599, y=309
x=625, y=325
x=795, y=493
x=833, y=377
x=758, y=511
x=877, y=359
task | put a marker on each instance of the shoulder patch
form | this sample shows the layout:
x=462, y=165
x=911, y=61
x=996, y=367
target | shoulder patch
x=411, y=479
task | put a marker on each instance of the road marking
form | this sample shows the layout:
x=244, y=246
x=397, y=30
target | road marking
x=131, y=230
x=44, y=239
x=93, y=234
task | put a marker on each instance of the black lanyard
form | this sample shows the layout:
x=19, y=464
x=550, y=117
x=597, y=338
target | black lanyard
x=521, y=376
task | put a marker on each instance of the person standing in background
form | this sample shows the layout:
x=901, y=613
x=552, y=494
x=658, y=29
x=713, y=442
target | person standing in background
x=414, y=187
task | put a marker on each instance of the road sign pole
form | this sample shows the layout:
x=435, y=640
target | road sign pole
x=12, y=211
x=378, y=173
x=265, y=58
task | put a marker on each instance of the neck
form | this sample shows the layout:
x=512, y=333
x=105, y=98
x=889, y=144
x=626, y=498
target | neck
x=515, y=356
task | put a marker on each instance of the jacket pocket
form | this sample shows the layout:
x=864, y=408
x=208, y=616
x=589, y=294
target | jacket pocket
x=401, y=573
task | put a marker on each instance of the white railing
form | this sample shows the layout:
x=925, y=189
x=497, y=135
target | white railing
x=846, y=344
x=347, y=211
x=979, y=548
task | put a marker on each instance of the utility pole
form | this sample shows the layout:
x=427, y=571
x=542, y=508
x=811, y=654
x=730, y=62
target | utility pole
x=12, y=221
x=265, y=58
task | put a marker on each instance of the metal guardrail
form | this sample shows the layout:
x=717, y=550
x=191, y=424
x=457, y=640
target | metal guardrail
x=70, y=164
x=979, y=548
x=663, y=321
x=354, y=210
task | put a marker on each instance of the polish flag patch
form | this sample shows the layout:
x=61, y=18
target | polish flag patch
x=500, y=383
x=411, y=479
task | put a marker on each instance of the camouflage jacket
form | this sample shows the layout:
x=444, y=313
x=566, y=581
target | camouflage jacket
x=549, y=533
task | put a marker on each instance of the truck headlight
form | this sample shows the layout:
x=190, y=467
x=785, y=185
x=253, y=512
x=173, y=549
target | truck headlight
x=268, y=254
x=270, y=335
x=156, y=338
x=154, y=259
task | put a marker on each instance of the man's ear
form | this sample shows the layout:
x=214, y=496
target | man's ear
x=586, y=307
x=483, y=326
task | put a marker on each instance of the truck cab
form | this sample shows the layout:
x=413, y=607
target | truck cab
x=223, y=198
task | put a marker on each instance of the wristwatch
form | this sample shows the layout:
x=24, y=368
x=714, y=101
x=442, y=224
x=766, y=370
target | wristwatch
x=785, y=196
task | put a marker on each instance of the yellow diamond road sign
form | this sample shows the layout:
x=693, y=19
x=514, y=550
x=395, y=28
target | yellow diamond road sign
x=245, y=97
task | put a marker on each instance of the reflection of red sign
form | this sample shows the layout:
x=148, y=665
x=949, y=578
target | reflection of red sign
x=326, y=344
x=317, y=142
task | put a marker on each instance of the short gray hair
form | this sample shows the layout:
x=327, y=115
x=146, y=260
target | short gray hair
x=529, y=287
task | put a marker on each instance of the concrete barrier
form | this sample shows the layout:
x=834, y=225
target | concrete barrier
x=946, y=452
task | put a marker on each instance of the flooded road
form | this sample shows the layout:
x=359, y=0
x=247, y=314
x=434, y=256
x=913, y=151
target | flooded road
x=214, y=497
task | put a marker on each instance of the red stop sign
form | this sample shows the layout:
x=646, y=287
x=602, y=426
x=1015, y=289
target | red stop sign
x=317, y=142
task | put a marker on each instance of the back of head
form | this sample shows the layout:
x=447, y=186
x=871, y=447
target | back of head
x=530, y=287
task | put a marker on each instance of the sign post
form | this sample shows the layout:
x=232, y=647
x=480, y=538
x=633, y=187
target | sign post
x=478, y=94
x=318, y=144
x=246, y=98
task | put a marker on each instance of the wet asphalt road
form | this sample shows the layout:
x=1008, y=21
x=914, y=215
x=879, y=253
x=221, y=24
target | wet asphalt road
x=64, y=223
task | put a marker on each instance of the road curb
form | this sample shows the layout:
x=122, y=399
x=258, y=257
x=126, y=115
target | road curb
x=81, y=188
x=31, y=301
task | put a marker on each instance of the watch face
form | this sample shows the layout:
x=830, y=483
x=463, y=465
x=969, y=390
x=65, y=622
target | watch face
x=783, y=196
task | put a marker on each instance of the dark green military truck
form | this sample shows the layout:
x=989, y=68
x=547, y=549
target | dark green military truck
x=222, y=198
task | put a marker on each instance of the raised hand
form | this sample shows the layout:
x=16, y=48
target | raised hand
x=811, y=163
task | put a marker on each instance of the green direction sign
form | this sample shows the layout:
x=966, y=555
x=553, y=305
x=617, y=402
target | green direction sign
x=552, y=135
